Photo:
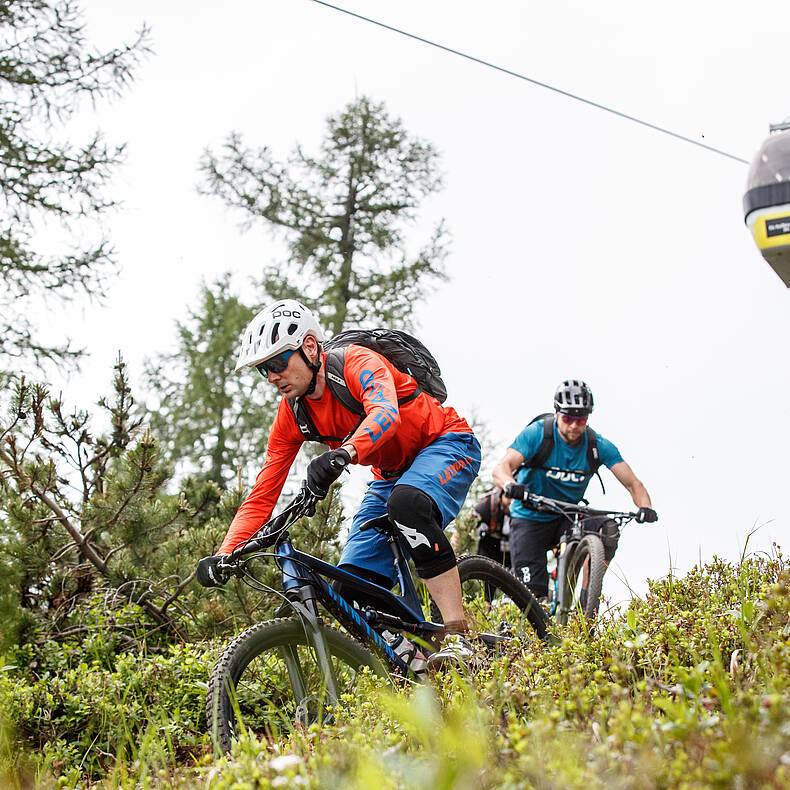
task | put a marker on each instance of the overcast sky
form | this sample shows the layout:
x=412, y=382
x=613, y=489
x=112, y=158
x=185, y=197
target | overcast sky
x=583, y=245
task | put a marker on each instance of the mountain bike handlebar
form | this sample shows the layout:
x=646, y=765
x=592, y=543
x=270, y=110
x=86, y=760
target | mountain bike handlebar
x=303, y=504
x=543, y=504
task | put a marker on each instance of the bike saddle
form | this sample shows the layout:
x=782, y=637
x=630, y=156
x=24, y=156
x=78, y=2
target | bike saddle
x=380, y=523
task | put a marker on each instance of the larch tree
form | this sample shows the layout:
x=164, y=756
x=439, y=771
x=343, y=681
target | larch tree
x=344, y=215
x=47, y=70
x=212, y=420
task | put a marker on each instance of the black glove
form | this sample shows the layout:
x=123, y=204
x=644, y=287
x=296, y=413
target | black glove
x=646, y=514
x=515, y=491
x=324, y=470
x=209, y=575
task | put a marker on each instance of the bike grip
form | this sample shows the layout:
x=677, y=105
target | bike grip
x=339, y=463
x=340, y=460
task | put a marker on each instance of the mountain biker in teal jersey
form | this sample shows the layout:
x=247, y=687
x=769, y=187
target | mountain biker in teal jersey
x=564, y=475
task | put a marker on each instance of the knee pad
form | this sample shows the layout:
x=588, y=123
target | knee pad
x=419, y=523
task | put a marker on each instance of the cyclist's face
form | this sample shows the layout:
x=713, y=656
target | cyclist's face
x=295, y=379
x=571, y=430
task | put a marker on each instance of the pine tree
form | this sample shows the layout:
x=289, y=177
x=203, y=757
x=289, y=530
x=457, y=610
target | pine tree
x=344, y=215
x=86, y=521
x=47, y=69
x=212, y=420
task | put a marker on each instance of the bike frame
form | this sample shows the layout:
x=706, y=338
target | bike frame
x=304, y=580
x=567, y=548
x=574, y=532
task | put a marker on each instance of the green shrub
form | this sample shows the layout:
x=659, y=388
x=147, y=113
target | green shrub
x=688, y=688
x=83, y=717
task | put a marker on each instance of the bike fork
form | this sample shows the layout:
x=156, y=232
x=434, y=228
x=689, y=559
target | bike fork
x=563, y=605
x=314, y=628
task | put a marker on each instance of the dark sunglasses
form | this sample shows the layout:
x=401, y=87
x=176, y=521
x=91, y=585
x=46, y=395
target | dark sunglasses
x=581, y=418
x=274, y=365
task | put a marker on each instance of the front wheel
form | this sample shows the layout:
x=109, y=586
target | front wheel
x=584, y=579
x=267, y=679
x=495, y=600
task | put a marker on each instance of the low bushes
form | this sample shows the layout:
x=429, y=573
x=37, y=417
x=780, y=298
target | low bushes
x=690, y=687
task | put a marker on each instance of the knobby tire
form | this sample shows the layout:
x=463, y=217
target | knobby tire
x=251, y=679
x=487, y=586
x=589, y=547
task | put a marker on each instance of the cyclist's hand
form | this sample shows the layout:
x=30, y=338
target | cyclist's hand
x=324, y=470
x=646, y=515
x=516, y=491
x=208, y=574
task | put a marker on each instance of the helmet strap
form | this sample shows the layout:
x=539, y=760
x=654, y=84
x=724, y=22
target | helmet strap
x=314, y=366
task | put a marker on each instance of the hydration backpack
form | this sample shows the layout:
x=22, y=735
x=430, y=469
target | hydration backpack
x=405, y=352
x=543, y=452
x=491, y=512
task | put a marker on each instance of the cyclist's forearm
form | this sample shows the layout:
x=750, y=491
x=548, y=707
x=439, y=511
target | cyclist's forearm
x=503, y=475
x=351, y=450
x=639, y=494
x=503, y=471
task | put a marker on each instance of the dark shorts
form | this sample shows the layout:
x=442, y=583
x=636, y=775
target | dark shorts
x=529, y=542
x=492, y=548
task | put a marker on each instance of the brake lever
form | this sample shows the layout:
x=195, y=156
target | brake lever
x=229, y=569
x=308, y=500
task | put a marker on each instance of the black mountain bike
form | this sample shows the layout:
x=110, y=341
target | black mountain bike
x=293, y=668
x=577, y=578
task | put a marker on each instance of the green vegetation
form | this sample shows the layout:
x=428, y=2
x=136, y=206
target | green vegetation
x=49, y=72
x=210, y=419
x=344, y=215
x=690, y=687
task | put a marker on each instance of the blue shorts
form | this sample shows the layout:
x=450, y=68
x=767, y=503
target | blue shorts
x=444, y=470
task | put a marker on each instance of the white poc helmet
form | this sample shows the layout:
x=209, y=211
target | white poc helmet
x=281, y=326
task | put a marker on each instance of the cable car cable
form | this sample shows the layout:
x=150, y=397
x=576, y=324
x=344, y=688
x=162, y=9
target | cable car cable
x=536, y=82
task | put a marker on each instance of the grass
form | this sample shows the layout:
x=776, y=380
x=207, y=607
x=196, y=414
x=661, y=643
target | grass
x=687, y=688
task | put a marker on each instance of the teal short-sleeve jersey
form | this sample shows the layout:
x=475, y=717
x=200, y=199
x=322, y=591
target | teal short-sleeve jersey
x=563, y=479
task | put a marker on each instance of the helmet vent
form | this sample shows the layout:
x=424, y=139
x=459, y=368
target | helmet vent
x=292, y=328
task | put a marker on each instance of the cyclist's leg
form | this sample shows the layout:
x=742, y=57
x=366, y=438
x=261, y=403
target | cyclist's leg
x=610, y=537
x=369, y=549
x=425, y=499
x=529, y=541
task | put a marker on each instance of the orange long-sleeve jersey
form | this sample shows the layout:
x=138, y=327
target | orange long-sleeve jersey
x=389, y=437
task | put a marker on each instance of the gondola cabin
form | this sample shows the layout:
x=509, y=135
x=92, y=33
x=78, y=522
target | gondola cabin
x=766, y=204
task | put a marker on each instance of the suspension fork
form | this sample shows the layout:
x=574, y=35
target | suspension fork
x=567, y=549
x=301, y=593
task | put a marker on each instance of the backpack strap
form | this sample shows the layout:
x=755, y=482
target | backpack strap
x=545, y=447
x=593, y=458
x=305, y=424
x=334, y=367
x=546, y=443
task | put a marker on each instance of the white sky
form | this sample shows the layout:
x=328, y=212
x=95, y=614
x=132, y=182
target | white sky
x=583, y=245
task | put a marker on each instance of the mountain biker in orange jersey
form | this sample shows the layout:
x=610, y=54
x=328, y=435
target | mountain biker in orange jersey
x=423, y=456
x=564, y=475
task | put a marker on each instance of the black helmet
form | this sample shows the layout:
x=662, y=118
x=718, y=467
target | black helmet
x=573, y=397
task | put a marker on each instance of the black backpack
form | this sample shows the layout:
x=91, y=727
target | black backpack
x=547, y=445
x=405, y=352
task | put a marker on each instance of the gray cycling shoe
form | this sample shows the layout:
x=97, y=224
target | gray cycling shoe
x=455, y=650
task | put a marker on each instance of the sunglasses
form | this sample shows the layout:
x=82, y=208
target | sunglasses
x=274, y=365
x=574, y=418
